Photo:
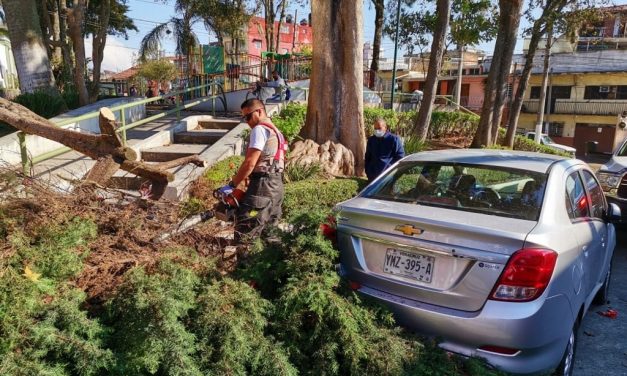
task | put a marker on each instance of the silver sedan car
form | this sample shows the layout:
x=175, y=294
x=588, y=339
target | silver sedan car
x=497, y=253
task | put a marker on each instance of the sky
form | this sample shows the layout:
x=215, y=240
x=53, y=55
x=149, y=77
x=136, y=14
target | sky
x=120, y=53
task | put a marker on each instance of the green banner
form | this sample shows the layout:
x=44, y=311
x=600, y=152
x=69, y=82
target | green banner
x=212, y=59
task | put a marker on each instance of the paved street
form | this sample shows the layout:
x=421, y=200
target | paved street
x=602, y=344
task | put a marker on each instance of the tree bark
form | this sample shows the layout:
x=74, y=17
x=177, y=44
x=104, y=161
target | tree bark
x=379, y=9
x=75, y=20
x=281, y=17
x=421, y=127
x=269, y=17
x=98, y=45
x=509, y=19
x=29, y=49
x=335, y=106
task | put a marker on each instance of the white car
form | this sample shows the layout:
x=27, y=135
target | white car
x=547, y=141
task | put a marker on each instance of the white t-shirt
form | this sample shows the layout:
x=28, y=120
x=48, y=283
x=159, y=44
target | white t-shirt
x=258, y=137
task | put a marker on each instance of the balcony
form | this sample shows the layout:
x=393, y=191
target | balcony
x=579, y=107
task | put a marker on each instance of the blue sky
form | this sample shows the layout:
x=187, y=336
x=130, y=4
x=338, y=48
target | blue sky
x=119, y=53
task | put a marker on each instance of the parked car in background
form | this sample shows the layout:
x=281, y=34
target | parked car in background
x=498, y=253
x=548, y=141
x=613, y=177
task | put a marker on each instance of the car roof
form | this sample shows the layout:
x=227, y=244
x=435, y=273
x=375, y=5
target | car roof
x=521, y=160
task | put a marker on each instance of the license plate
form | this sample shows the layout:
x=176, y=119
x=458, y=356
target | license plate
x=409, y=264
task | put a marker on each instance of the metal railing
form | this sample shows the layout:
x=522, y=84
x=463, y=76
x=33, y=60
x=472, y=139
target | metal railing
x=215, y=89
x=579, y=107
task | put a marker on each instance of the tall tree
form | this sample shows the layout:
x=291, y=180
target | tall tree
x=103, y=18
x=443, y=13
x=379, y=16
x=29, y=50
x=335, y=106
x=510, y=12
x=76, y=23
x=568, y=16
x=225, y=17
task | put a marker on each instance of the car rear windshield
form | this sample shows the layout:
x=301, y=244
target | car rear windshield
x=486, y=189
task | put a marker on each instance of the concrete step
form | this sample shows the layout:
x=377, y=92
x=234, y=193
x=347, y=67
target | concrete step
x=202, y=136
x=218, y=124
x=171, y=152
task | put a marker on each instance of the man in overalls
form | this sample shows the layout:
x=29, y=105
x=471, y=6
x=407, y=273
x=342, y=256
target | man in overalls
x=263, y=166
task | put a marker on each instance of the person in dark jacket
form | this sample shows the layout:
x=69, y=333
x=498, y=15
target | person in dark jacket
x=383, y=150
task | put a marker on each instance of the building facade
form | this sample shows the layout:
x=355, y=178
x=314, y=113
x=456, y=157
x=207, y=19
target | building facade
x=293, y=37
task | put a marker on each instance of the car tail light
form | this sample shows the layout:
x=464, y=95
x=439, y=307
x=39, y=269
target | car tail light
x=499, y=350
x=526, y=275
x=354, y=285
x=329, y=229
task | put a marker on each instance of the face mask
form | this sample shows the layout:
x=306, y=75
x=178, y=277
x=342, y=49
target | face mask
x=379, y=132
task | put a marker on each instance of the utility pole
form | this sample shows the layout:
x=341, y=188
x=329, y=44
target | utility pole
x=398, y=21
x=545, y=79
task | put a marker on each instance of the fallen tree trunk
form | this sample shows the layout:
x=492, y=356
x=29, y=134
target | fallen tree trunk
x=106, y=148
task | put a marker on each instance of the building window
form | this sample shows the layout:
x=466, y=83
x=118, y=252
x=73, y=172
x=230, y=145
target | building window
x=257, y=43
x=510, y=91
x=556, y=129
x=285, y=29
x=473, y=71
x=535, y=92
x=605, y=92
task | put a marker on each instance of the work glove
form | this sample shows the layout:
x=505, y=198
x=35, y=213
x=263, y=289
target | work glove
x=226, y=190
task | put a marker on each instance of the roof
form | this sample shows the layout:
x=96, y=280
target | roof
x=125, y=74
x=521, y=160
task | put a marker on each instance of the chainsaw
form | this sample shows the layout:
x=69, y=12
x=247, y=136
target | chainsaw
x=223, y=210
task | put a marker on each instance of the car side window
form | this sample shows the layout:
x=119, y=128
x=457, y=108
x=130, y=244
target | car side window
x=597, y=201
x=576, y=194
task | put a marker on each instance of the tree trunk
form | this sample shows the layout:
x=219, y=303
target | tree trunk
x=75, y=20
x=106, y=148
x=509, y=19
x=545, y=80
x=98, y=45
x=29, y=50
x=269, y=16
x=335, y=106
x=536, y=34
x=421, y=127
x=281, y=17
x=379, y=8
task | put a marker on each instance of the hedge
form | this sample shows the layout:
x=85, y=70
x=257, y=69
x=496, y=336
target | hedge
x=310, y=195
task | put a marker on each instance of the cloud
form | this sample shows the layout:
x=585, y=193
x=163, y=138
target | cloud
x=117, y=56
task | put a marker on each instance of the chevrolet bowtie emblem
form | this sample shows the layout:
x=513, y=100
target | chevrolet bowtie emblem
x=409, y=230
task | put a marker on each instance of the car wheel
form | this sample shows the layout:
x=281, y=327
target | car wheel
x=568, y=360
x=603, y=294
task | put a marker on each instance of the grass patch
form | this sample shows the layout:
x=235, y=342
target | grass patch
x=221, y=172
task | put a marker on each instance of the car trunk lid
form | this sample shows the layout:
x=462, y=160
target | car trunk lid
x=439, y=256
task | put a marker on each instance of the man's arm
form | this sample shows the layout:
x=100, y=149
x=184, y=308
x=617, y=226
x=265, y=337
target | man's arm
x=247, y=167
x=399, y=151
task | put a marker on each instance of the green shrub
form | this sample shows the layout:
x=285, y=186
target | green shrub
x=44, y=329
x=326, y=328
x=70, y=96
x=148, y=320
x=452, y=124
x=43, y=103
x=221, y=172
x=230, y=325
x=298, y=171
x=310, y=195
x=413, y=144
x=291, y=120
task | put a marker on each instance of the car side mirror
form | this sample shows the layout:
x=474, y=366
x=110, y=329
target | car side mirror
x=613, y=213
